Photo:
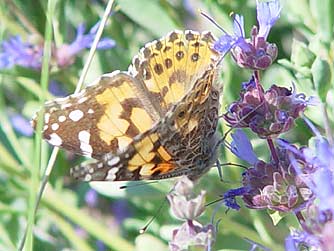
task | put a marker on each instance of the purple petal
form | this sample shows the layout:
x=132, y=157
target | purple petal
x=106, y=43
x=224, y=44
x=238, y=26
x=268, y=12
x=21, y=125
x=242, y=147
x=229, y=197
x=91, y=198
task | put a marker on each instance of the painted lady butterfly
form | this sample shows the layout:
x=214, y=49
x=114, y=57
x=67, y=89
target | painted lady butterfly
x=155, y=121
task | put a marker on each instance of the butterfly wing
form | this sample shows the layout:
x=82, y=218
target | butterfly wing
x=103, y=118
x=182, y=143
x=169, y=66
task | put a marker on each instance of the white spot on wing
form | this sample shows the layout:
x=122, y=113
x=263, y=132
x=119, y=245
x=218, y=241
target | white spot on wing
x=66, y=105
x=90, y=110
x=46, y=117
x=88, y=177
x=55, y=140
x=61, y=118
x=81, y=100
x=55, y=126
x=86, y=148
x=113, y=161
x=112, y=174
x=76, y=115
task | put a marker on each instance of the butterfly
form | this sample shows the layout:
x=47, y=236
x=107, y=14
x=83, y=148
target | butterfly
x=156, y=120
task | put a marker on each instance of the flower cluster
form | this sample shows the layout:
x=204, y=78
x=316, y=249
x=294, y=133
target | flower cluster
x=268, y=113
x=254, y=53
x=297, y=180
x=318, y=219
x=275, y=185
x=187, y=207
x=15, y=51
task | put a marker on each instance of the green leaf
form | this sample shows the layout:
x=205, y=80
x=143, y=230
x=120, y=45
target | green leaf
x=147, y=241
x=323, y=12
x=148, y=14
x=321, y=74
x=300, y=54
x=276, y=216
x=302, y=71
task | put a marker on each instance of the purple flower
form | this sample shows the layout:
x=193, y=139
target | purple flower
x=318, y=226
x=100, y=246
x=16, y=52
x=273, y=185
x=56, y=89
x=91, y=198
x=242, y=147
x=21, y=124
x=268, y=12
x=121, y=210
x=65, y=54
x=226, y=42
x=254, y=53
x=267, y=113
x=230, y=197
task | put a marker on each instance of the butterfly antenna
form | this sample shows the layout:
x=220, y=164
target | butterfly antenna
x=143, y=229
x=212, y=21
x=137, y=185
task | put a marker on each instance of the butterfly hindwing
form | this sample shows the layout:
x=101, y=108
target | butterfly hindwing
x=170, y=65
x=175, y=146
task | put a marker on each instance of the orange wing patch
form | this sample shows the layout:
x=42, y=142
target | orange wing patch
x=145, y=158
x=103, y=118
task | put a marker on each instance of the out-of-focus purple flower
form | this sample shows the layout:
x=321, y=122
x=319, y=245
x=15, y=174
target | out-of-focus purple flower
x=254, y=53
x=16, y=52
x=100, y=246
x=267, y=113
x=91, y=198
x=65, y=54
x=268, y=12
x=56, y=89
x=184, y=204
x=318, y=226
x=21, y=124
x=192, y=236
x=242, y=147
x=121, y=210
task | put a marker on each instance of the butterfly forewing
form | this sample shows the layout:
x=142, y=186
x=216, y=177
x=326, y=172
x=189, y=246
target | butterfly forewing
x=103, y=118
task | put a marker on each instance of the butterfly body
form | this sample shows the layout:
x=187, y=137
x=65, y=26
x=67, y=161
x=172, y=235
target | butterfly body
x=155, y=121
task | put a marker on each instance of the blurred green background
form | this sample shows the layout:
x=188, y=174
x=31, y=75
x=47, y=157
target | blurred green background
x=100, y=216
